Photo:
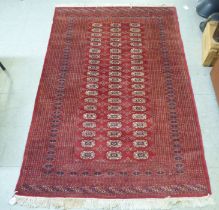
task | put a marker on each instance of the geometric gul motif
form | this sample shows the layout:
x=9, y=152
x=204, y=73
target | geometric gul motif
x=115, y=94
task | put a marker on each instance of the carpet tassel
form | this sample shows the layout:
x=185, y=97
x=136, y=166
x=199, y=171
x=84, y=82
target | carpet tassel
x=111, y=204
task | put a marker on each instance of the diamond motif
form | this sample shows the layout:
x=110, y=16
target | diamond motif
x=89, y=124
x=92, y=86
x=114, y=124
x=139, y=116
x=136, y=30
x=115, y=50
x=136, y=50
x=138, y=86
x=139, y=108
x=93, y=73
x=114, y=143
x=91, y=92
x=87, y=143
x=134, y=56
x=115, y=30
x=115, y=79
x=115, y=93
x=115, y=56
x=115, y=34
x=92, y=79
x=114, y=108
x=114, y=116
x=115, y=86
x=115, y=44
x=136, y=62
x=96, y=34
x=114, y=155
x=114, y=100
x=141, y=155
x=94, y=50
x=139, y=124
x=90, y=108
x=115, y=73
x=115, y=39
x=135, y=39
x=91, y=116
x=137, y=68
x=88, y=133
x=135, y=34
x=95, y=39
x=94, y=56
x=115, y=62
x=136, y=44
x=134, y=24
x=87, y=155
x=137, y=73
x=93, y=67
x=95, y=44
x=94, y=61
x=97, y=24
x=115, y=68
x=140, y=133
x=97, y=29
x=138, y=100
x=115, y=25
x=138, y=93
x=90, y=100
x=140, y=143
x=137, y=79
x=114, y=134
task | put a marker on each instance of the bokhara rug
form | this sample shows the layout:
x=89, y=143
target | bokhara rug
x=114, y=122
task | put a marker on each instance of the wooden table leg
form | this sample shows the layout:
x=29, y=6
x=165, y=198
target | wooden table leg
x=216, y=34
x=215, y=79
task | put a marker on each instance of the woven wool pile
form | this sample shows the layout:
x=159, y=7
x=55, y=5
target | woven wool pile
x=114, y=123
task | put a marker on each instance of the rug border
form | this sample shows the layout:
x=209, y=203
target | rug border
x=194, y=103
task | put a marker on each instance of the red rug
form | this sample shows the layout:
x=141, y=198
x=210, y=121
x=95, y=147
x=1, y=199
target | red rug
x=114, y=115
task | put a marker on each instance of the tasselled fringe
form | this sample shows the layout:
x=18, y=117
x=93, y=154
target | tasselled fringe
x=111, y=204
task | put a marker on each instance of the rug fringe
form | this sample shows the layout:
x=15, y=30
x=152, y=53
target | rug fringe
x=111, y=204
